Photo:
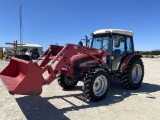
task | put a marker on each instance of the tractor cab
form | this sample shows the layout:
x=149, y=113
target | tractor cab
x=117, y=43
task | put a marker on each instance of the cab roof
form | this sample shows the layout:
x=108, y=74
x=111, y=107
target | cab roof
x=118, y=31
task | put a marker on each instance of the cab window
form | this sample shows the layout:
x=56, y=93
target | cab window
x=121, y=49
x=129, y=45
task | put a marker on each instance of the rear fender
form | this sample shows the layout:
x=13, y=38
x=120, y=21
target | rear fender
x=126, y=60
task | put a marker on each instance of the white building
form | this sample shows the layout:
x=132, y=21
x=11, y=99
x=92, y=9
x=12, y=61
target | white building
x=31, y=46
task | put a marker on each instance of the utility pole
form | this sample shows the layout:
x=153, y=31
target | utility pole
x=21, y=27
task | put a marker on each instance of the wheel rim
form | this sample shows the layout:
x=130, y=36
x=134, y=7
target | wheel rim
x=100, y=85
x=137, y=73
x=69, y=81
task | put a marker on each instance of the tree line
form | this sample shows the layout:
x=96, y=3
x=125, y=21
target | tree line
x=154, y=52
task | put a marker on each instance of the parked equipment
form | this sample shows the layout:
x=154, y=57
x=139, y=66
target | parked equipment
x=24, y=54
x=110, y=57
x=35, y=54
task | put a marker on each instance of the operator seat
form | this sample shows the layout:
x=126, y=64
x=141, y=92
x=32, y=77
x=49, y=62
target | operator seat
x=117, y=52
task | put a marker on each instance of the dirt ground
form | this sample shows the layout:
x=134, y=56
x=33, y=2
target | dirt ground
x=56, y=104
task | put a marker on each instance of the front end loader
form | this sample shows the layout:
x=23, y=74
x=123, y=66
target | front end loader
x=110, y=56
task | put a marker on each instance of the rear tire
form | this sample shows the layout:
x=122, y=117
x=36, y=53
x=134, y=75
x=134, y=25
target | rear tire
x=66, y=83
x=132, y=77
x=96, y=84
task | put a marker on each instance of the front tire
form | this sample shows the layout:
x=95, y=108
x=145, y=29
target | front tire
x=96, y=84
x=66, y=82
x=132, y=77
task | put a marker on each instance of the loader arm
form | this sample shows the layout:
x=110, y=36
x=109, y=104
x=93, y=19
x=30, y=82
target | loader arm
x=66, y=53
x=53, y=49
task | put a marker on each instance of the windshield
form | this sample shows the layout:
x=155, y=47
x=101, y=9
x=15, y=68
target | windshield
x=101, y=43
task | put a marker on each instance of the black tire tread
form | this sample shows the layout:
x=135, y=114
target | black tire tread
x=61, y=82
x=126, y=74
x=88, y=92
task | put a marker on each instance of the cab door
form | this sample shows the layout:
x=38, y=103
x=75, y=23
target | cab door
x=118, y=52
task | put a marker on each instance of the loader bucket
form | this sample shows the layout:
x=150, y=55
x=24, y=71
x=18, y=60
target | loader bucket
x=22, y=77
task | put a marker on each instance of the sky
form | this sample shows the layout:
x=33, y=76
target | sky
x=48, y=22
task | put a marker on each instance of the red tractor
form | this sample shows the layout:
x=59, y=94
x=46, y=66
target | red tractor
x=110, y=56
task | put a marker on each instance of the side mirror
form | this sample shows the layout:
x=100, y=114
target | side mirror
x=116, y=43
x=86, y=40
